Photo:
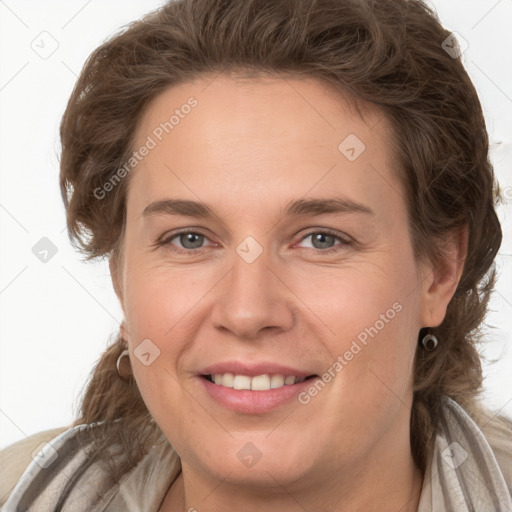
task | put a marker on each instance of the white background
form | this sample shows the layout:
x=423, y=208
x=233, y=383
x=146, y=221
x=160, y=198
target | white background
x=57, y=317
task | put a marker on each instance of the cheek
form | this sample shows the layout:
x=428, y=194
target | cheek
x=372, y=362
x=369, y=321
x=159, y=299
x=163, y=309
x=377, y=291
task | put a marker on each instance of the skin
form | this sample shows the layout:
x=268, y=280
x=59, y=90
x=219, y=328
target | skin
x=247, y=149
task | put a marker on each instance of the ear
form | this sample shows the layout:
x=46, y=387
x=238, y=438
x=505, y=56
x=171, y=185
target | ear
x=440, y=281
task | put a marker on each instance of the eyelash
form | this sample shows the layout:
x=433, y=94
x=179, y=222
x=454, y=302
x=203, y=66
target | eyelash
x=343, y=242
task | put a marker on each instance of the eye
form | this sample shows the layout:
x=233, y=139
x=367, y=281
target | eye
x=189, y=241
x=185, y=240
x=325, y=241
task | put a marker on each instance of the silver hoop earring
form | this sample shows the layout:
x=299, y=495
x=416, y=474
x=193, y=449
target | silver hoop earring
x=124, y=353
x=429, y=342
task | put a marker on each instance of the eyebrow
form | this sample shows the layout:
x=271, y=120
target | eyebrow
x=293, y=208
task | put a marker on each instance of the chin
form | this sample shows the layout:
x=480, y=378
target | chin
x=250, y=459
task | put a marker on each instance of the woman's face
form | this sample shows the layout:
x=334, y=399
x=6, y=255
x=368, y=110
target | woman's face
x=267, y=236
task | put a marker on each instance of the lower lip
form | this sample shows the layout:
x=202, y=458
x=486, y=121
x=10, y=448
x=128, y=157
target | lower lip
x=253, y=402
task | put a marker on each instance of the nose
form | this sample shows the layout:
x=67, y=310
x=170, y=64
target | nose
x=253, y=299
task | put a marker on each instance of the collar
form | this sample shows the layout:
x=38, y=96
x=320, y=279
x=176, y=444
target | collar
x=463, y=475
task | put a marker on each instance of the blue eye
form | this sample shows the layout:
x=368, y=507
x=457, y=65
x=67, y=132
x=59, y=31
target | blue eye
x=191, y=240
x=324, y=241
x=188, y=240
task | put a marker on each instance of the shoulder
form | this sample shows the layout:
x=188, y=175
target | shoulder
x=497, y=429
x=15, y=458
x=52, y=468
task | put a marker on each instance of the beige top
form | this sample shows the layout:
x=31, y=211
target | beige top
x=469, y=472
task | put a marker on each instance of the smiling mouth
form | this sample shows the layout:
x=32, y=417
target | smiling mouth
x=257, y=383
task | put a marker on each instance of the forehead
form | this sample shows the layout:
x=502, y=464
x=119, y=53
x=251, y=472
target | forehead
x=268, y=103
x=256, y=133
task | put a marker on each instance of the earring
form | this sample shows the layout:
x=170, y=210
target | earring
x=429, y=342
x=125, y=371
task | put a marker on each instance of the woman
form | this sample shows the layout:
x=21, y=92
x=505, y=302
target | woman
x=297, y=205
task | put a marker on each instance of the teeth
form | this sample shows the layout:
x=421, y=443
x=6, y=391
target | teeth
x=277, y=381
x=241, y=382
x=258, y=383
x=228, y=379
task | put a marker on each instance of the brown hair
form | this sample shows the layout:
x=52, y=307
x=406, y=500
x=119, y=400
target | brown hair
x=388, y=53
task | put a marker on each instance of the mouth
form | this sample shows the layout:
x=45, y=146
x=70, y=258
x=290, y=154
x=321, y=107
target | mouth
x=263, y=382
x=248, y=388
x=251, y=387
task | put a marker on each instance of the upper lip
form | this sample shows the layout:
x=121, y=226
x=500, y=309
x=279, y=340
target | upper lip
x=253, y=369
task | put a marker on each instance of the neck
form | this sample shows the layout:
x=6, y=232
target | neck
x=222, y=498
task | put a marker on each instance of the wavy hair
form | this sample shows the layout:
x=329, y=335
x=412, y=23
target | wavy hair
x=388, y=54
